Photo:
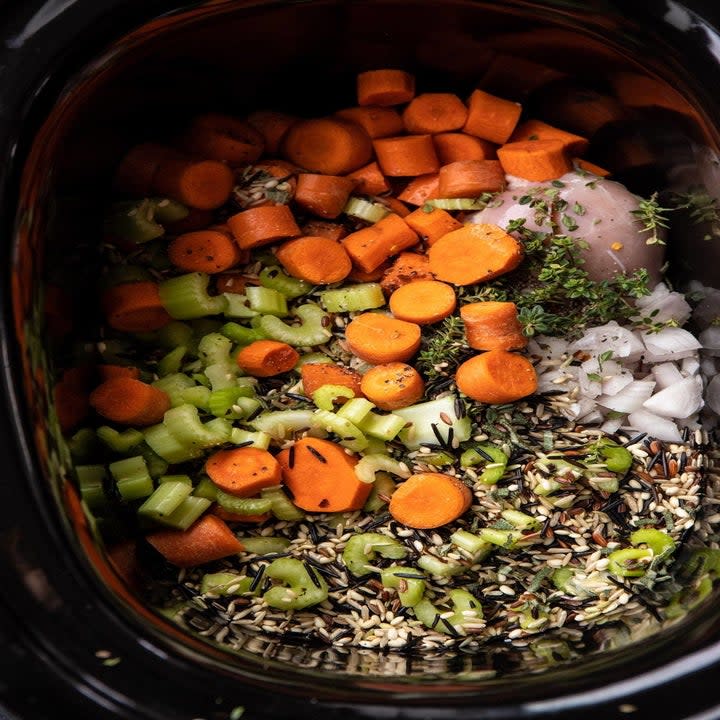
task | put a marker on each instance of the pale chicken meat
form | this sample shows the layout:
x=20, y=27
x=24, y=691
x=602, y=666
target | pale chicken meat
x=598, y=211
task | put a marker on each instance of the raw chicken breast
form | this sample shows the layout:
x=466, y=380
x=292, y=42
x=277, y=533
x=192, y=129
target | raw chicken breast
x=600, y=209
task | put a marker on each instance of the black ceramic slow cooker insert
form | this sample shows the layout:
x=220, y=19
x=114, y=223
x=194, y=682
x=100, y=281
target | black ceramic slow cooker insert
x=82, y=81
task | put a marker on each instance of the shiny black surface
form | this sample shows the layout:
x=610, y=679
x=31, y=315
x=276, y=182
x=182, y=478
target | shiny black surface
x=68, y=643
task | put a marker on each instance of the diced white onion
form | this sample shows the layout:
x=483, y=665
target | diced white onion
x=655, y=426
x=680, y=400
x=666, y=374
x=630, y=398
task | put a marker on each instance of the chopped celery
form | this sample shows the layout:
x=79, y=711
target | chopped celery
x=238, y=306
x=366, y=210
x=280, y=424
x=382, y=489
x=83, y=444
x=166, y=498
x=257, y=439
x=457, y=203
x=214, y=347
x=187, y=512
x=521, y=520
x=352, y=298
x=311, y=331
x=504, y=538
x=132, y=478
x=240, y=334
x=368, y=465
x=133, y=221
x=91, y=480
x=349, y=435
x=361, y=549
x=491, y=457
x=408, y=581
x=438, y=459
x=312, y=357
x=168, y=211
x=629, y=562
x=476, y=546
x=438, y=567
x=172, y=361
x=324, y=397
x=275, y=278
x=223, y=402
x=222, y=374
x=198, y=395
x=174, y=385
x=206, y=488
x=156, y=465
x=243, y=505
x=281, y=506
x=266, y=301
x=431, y=417
x=184, y=423
x=120, y=442
x=658, y=541
x=298, y=589
x=186, y=297
x=225, y=583
x=173, y=334
x=175, y=478
x=355, y=410
x=466, y=608
x=265, y=545
x=383, y=427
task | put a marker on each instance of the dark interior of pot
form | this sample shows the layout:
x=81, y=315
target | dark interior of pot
x=654, y=126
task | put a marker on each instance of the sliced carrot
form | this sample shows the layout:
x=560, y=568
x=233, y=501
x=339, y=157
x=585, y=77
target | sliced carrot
x=369, y=180
x=323, y=228
x=321, y=476
x=408, y=266
x=393, y=385
x=574, y=145
x=134, y=307
x=71, y=396
x=263, y=225
x=107, y=371
x=491, y=117
x=386, y=86
x=536, y=160
x=371, y=246
x=434, y=113
x=319, y=260
x=222, y=137
x=492, y=325
x=432, y=224
x=429, y=500
x=323, y=195
x=206, y=540
x=265, y=358
x=592, y=168
x=420, y=189
x=474, y=253
x=273, y=127
x=328, y=145
x=128, y=401
x=452, y=146
x=406, y=155
x=377, y=121
x=423, y=301
x=315, y=375
x=496, y=377
x=359, y=275
x=202, y=184
x=243, y=471
x=394, y=205
x=377, y=338
x=208, y=251
x=136, y=170
x=470, y=178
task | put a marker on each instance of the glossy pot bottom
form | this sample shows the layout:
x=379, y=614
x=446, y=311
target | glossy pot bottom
x=133, y=72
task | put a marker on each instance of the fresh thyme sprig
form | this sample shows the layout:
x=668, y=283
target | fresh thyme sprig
x=702, y=207
x=653, y=218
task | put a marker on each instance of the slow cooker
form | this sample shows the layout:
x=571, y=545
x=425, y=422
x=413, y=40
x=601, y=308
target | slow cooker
x=80, y=81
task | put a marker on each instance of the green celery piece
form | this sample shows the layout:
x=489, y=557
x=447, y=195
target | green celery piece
x=382, y=426
x=325, y=395
x=298, y=589
x=561, y=577
x=355, y=410
x=120, y=442
x=132, y=478
x=311, y=330
x=243, y=505
x=186, y=297
x=383, y=486
x=658, y=541
x=189, y=510
x=493, y=468
x=223, y=374
x=350, y=436
x=625, y=562
x=133, y=221
x=471, y=543
x=410, y=589
x=174, y=385
x=175, y=478
x=238, y=306
x=266, y=301
x=184, y=423
x=276, y=278
x=164, y=500
x=265, y=545
x=360, y=550
x=281, y=506
x=168, y=211
x=353, y=298
x=225, y=583
x=240, y=334
x=206, y=488
x=257, y=439
x=83, y=444
x=423, y=416
x=174, y=334
x=214, y=348
x=198, y=395
x=521, y=520
x=91, y=479
x=365, y=210
x=172, y=361
x=280, y=424
x=370, y=464
x=440, y=568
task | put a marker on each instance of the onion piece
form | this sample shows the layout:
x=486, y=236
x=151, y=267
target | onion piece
x=654, y=425
x=666, y=374
x=670, y=343
x=630, y=398
x=680, y=400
